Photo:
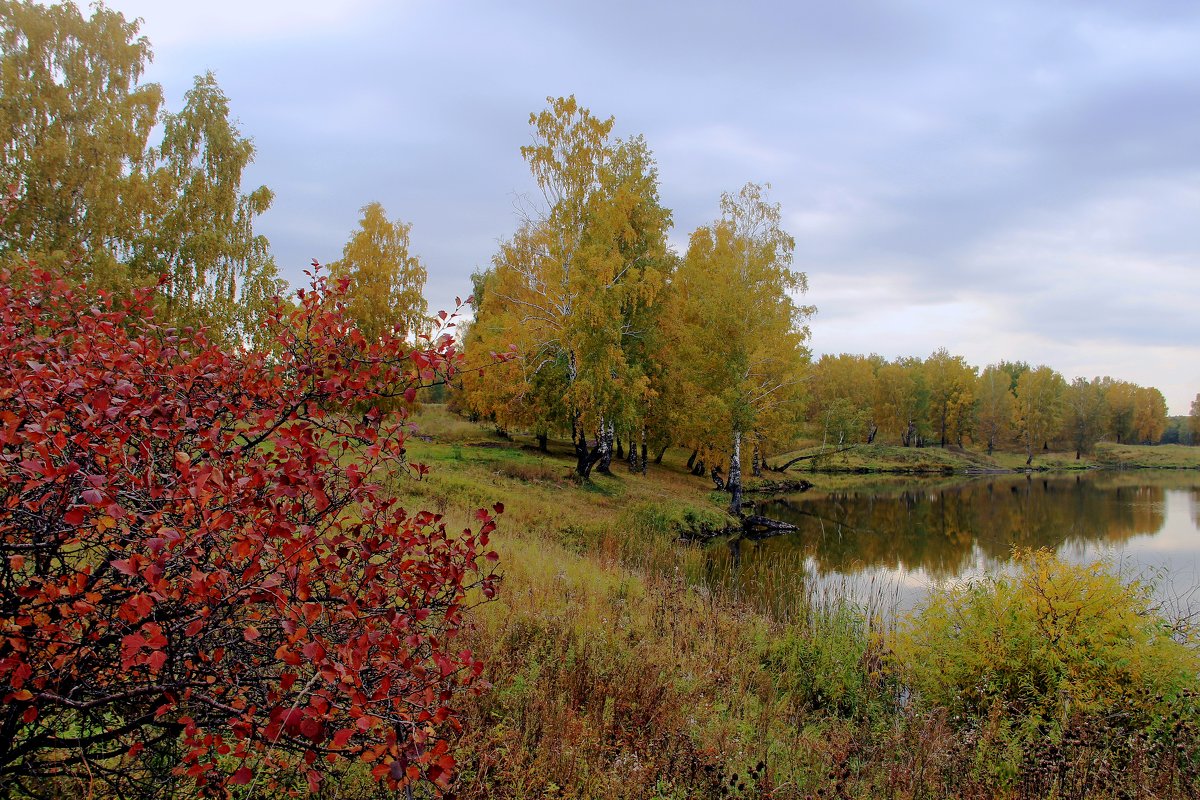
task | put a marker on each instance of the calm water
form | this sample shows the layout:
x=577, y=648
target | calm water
x=894, y=539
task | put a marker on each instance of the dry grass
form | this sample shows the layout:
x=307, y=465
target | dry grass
x=627, y=664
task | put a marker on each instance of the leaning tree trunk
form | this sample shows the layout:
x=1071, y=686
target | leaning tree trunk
x=543, y=442
x=734, y=484
x=691, y=462
x=658, y=458
x=584, y=459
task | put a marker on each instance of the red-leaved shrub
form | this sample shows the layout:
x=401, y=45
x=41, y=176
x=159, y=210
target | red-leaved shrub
x=203, y=580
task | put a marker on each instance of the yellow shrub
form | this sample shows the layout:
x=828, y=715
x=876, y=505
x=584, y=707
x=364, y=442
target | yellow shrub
x=1053, y=641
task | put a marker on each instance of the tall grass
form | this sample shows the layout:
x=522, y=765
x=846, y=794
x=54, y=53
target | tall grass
x=629, y=662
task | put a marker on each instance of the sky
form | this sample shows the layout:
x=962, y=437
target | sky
x=1008, y=180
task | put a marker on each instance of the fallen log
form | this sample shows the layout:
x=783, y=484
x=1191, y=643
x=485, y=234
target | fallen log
x=755, y=526
x=778, y=487
x=750, y=526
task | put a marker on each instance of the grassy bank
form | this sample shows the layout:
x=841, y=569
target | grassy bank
x=621, y=668
x=937, y=460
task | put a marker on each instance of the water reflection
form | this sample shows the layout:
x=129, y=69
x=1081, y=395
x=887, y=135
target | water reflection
x=915, y=532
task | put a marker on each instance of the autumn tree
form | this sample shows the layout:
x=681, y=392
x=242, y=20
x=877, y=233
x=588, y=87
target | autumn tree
x=1149, y=415
x=840, y=397
x=951, y=383
x=199, y=227
x=75, y=134
x=741, y=336
x=387, y=282
x=75, y=127
x=1121, y=399
x=569, y=289
x=1038, y=412
x=901, y=401
x=204, y=582
x=994, y=412
x=1086, y=414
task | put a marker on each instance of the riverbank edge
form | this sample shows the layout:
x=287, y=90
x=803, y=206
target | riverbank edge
x=937, y=461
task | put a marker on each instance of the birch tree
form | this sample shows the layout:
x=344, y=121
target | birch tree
x=1085, y=415
x=741, y=336
x=573, y=282
x=1150, y=415
x=994, y=413
x=951, y=381
x=387, y=281
x=75, y=140
x=1039, y=408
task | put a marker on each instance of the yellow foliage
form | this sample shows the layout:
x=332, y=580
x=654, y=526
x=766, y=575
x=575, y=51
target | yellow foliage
x=1054, y=640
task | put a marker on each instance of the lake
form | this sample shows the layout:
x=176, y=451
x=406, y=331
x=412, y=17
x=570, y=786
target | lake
x=888, y=540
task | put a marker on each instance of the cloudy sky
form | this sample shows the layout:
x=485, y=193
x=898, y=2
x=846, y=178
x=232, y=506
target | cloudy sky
x=1013, y=180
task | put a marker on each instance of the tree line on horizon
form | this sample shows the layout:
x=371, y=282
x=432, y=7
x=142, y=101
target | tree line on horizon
x=943, y=400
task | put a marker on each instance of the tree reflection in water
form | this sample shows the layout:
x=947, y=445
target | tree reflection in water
x=944, y=528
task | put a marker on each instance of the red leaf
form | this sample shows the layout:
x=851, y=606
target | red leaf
x=157, y=660
x=250, y=633
x=498, y=508
x=92, y=496
x=125, y=566
x=242, y=777
x=312, y=729
x=439, y=777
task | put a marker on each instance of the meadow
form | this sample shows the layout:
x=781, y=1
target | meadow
x=620, y=666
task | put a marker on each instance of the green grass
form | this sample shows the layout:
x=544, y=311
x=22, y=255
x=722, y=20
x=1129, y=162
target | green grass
x=1162, y=456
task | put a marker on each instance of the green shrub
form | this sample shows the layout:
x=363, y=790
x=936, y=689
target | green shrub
x=1054, y=641
x=677, y=520
x=830, y=664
